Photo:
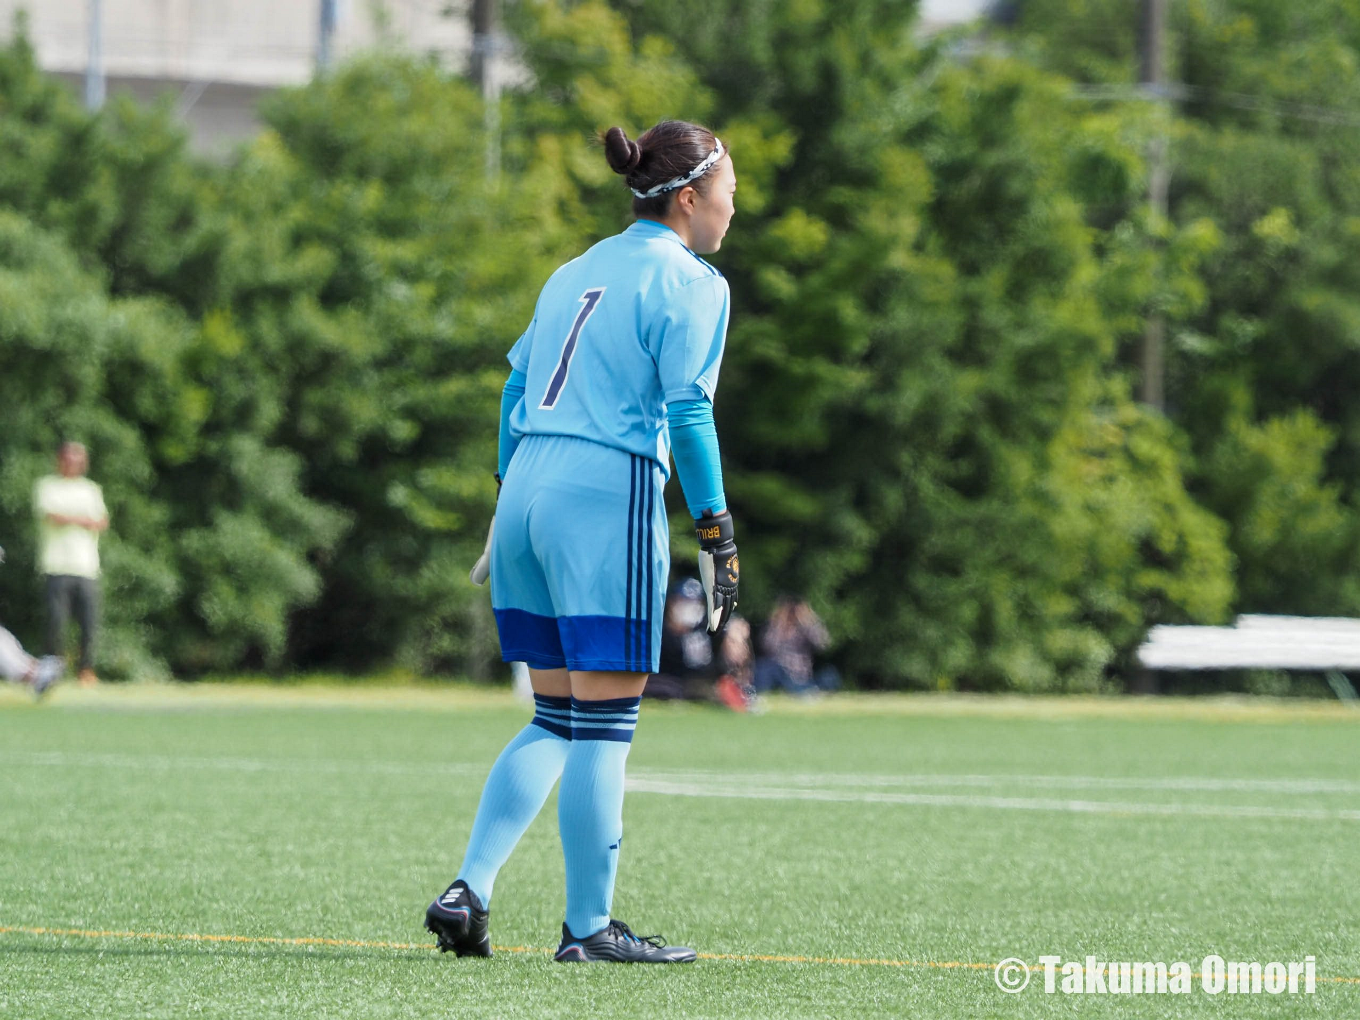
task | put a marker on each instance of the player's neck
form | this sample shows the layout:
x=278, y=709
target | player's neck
x=681, y=228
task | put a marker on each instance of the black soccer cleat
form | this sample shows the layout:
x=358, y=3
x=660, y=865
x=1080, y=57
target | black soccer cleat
x=618, y=944
x=459, y=923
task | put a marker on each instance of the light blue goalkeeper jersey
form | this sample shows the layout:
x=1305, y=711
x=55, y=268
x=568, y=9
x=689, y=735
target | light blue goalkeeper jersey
x=635, y=323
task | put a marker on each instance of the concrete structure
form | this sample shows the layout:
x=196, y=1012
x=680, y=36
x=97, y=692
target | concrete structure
x=936, y=15
x=217, y=57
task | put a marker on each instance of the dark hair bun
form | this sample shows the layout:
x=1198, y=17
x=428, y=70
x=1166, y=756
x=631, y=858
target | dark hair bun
x=623, y=155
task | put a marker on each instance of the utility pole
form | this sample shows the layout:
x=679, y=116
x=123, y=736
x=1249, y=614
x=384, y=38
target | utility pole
x=1152, y=389
x=94, y=64
x=325, y=36
x=485, y=46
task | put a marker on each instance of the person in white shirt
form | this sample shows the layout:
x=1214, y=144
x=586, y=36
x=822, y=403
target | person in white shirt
x=71, y=517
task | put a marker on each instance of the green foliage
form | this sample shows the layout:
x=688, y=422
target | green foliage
x=1131, y=544
x=104, y=253
x=925, y=328
x=288, y=367
x=1263, y=361
x=66, y=348
x=1299, y=539
x=377, y=291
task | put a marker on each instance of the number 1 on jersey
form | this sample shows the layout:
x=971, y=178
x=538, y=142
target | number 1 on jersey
x=589, y=301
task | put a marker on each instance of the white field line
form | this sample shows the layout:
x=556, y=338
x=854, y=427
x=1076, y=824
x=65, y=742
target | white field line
x=642, y=785
x=841, y=779
x=695, y=776
x=826, y=787
x=161, y=762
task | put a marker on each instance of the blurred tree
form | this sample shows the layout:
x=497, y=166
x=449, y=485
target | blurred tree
x=422, y=276
x=79, y=365
x=390, y=281
x=925, y=422
x=921, y=384
x=1262, y=372
x=209, y=553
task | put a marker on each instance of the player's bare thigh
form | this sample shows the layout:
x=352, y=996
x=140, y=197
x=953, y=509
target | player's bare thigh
x=587, y=685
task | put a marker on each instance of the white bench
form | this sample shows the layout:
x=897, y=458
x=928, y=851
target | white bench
x=1329, y=645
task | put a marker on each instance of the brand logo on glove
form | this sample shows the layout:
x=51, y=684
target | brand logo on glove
x=706, y=534
x=733, y=568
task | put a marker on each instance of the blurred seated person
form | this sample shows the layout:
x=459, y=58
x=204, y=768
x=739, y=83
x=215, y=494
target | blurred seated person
x=792, y=636
x=18, y=667
x=736, y=666
x=686, y=650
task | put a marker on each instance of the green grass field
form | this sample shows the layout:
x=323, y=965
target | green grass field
x=886, y=853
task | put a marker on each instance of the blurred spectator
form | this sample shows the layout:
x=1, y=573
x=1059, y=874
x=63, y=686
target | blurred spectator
x=791, y=637
x=736, y=665
x=19, y=667
x=686, y=650
x=71, y=517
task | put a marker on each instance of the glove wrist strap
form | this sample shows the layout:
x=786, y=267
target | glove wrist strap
x=714, y=531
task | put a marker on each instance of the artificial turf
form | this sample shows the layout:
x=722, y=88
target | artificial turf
x=886, y=852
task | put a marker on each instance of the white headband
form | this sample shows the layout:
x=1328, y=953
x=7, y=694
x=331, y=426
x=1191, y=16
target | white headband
x=683, y=179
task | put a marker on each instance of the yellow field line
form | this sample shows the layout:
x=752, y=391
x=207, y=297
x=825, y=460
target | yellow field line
x=190, y=937
x=841, y=961
x=358, y=944
x=248, y=939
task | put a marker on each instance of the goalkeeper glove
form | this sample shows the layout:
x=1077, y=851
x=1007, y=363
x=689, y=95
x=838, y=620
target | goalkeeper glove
x=482, y=568
x=718, y=568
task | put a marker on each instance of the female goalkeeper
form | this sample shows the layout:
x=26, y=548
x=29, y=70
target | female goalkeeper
x=616, y=372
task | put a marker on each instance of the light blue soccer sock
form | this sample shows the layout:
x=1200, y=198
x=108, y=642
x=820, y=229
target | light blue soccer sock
x=590, y=807
x=514, y=793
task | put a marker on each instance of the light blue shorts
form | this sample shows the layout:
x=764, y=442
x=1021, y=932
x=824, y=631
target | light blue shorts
x=580, y=557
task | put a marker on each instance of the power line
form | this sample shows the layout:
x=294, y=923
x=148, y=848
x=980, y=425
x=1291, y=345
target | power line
x=1172, y=91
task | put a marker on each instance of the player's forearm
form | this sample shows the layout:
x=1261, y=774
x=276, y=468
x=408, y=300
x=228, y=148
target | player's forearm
x=694, y=443
x=510, y=398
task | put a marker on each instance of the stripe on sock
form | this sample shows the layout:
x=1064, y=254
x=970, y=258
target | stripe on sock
x=553, y=714
x=613, y=719
x=590, y=733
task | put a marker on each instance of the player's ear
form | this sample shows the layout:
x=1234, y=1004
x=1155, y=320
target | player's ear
x=685, y=199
